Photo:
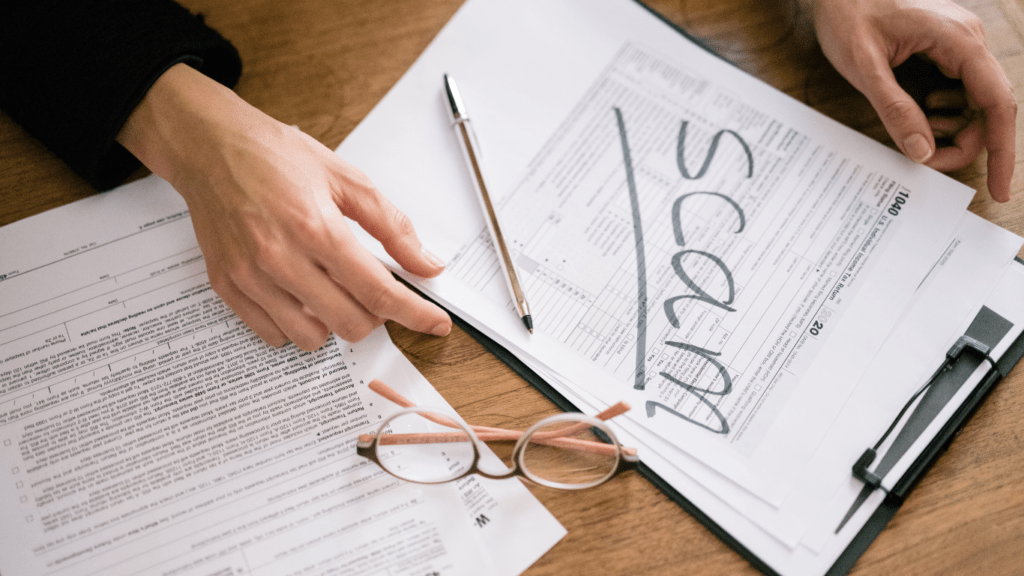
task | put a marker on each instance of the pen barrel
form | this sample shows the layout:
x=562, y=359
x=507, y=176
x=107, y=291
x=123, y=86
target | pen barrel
x=470, y=152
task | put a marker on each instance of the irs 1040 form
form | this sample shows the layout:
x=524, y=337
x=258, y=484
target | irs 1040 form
x=693, y=241
x=765, y=286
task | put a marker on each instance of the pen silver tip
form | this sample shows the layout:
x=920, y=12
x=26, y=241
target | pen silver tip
x=454, y=100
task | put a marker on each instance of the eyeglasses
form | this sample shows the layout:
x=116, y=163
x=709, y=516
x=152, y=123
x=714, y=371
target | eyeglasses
x=566, y=451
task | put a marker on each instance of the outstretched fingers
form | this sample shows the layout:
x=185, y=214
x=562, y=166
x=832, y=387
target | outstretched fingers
x=377, y=291
x=990, y=89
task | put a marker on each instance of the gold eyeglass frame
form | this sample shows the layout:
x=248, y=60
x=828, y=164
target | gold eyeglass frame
x=626, y=458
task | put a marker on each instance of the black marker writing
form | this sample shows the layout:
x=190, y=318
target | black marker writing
x=677, y=224
x=700, y=393
x=641, y=262
x=681, y=145
x=701, y=295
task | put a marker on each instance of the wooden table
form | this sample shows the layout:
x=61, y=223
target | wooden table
x=323, y=66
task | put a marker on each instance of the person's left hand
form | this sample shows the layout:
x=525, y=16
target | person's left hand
x=269, y=205
x=865, y=39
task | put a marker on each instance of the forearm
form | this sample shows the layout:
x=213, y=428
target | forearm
x=184, y=123
x=71, y=71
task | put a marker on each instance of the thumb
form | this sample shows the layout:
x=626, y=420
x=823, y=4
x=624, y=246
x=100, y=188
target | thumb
x=902, y=117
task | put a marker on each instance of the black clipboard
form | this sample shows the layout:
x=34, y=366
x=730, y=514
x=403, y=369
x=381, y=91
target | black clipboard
x=895, y=498
x=881, y=516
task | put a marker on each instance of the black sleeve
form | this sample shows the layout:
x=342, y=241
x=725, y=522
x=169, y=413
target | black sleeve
x=72, y=71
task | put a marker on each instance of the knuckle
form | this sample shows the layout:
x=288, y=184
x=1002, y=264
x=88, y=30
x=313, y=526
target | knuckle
x=263, y=250
x=865, y=61
x=352, y=173
x=361, y=179
x=309, y=231
x=351, y=180
x=973, y=25
x=953, y=20
x=275, y=339
x=270, y=258
x=239, y=274
x=382, y=300
x=400, y=223
x=971, y=31
x=356, y=333
x=896, y=109
x=312, y=339
x=355, y=329
x=220, y=282
x=396, y=224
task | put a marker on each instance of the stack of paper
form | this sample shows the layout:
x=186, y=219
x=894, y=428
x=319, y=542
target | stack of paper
x=144, y=429
x=766, y=287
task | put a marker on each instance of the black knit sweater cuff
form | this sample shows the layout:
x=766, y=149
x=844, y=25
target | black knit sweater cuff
x=71, y=72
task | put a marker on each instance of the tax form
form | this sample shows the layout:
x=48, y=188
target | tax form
x=692, y=241
x=800, y=531
x=764, y=286
x=145, y=430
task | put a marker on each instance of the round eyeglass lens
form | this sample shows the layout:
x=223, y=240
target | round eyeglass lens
x=417, y=449
x=568, y=455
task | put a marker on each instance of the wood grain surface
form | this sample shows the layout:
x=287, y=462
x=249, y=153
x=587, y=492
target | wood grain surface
x=324, y=65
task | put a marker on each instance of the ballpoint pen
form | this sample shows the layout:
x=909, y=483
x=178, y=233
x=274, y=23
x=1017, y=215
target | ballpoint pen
x=470, y=151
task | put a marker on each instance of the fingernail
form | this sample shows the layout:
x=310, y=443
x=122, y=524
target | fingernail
x=442, y=329
x=433, y=260
x=917, y=148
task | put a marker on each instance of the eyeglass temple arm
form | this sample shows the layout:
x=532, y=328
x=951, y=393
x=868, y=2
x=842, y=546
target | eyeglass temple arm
x=439, y=437
x=388, y=392
x=489, y=434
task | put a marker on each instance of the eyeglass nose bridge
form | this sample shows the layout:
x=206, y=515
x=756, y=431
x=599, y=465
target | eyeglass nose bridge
x=531, y=435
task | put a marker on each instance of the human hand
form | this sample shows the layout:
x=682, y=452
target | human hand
x=268, y=204
x=865, y=39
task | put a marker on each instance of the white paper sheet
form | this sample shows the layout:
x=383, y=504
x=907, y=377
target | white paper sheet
x=953, y=294
x=145, y=430
x=797, y=226
x=808, y=254
x=929, y=326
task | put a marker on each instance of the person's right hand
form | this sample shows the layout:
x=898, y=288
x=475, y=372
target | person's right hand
x=865, y=39
x=269, y=204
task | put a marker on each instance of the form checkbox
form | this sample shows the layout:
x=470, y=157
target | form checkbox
x=15, y=470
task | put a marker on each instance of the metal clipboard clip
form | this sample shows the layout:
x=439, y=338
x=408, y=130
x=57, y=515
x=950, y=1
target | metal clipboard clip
x=964, y=343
